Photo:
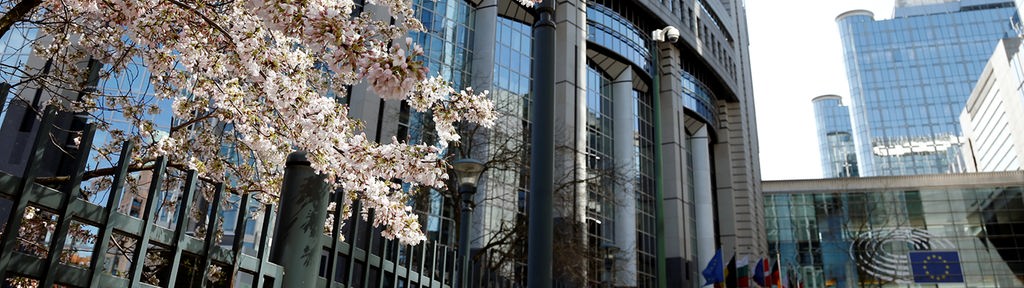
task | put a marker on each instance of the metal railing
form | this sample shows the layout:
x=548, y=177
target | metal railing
x=187, y=246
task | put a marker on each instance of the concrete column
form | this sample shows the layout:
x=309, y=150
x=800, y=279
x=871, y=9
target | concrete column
x=304, y=201
x=484, y=29
x=625, y=191
x=495, y=202
x=703, y=200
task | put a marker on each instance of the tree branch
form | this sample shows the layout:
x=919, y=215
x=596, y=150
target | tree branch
x=17, y=13
x=201, y=15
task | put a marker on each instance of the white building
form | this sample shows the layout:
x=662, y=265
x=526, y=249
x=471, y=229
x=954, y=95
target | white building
x=993, y=119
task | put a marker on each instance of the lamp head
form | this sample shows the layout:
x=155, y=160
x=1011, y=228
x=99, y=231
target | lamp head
x=467, y=171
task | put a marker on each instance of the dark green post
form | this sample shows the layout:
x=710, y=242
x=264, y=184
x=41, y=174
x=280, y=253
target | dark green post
x=659, y=180
x=300, y=223
x=542, y=144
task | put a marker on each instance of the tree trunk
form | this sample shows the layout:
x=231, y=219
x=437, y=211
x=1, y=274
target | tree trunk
x=17, y=14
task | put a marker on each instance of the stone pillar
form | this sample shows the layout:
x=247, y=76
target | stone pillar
x=704, y=201
x=300, y=225
x=626, y=172
x=495, y=201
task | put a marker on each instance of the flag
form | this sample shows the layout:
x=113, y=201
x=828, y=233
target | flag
x=773, y=278
x=743, y=273
x=936, y=267
x=759, y=269
x=791, y=278
x=730, y=273
x=713, y=272
x=776, y=275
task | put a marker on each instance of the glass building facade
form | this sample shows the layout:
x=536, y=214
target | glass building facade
x=860, y=232
x=911, y=75
x=835, y=137
x=610, y=62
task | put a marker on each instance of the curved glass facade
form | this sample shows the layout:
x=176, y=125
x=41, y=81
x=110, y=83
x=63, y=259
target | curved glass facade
x=610, y=30
x=868, y=238
x=698, y=98
x=835, y=138
x=643, y=128
x=600, y=171
x=909, y=79
x=446, y=52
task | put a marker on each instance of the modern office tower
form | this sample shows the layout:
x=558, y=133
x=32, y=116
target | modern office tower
x=991, y=120
x=895, y=231
x=835, y=137
x=910, y=76
x=632, y=209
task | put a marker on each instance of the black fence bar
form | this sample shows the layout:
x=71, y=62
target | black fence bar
x=332, y=260
x=379, y=260
x=264, y=246
x=71, y=192
x=103, y=236
x=142, y=245
x=211, y=230
x=181, y=223
x=10, y=237
x=236, y=243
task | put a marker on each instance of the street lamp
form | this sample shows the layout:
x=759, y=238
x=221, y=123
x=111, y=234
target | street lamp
x=668, y=34
x=467, y=173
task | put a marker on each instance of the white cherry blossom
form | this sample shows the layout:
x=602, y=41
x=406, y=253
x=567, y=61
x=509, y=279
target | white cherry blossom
x=253, y=76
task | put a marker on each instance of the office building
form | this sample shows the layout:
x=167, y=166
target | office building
x=991, y=120
x=895, y=231
x=636, y=210
x=835, y=137
x=910, y=77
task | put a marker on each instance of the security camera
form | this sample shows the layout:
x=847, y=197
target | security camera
x=672, y=34
x=668, y=34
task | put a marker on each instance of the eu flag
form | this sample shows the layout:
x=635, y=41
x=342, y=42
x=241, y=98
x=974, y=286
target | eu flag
x=936, y=267
x=714, y=273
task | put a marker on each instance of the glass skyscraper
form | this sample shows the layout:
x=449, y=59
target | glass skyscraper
x=835, y=137
x=911, y=75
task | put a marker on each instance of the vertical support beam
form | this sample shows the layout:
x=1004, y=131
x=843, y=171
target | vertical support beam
x=264, y=244
x=703, y=200
x=304, y=201
x=236, y=244
x=542, y=149
x=625, y=267
x=369, y=244
x=70, y=193
x=211, y=230
x=184, y=206
x=335, y=232
x=116, y=190
x=356, y=206
x=142, y=246
x=39, y=145
x=659, y=193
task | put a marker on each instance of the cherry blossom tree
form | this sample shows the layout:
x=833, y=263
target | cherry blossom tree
x=255, y=76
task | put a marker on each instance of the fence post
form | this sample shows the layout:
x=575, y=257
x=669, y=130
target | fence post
x=9, y=241
x=71, y=191
x=300, y=225
x=116, y=191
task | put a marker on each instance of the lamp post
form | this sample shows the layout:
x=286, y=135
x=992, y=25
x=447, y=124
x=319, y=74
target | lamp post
x=467, y=173
x=668, y=34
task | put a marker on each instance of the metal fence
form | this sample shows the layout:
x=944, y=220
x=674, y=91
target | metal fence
x=145, y=242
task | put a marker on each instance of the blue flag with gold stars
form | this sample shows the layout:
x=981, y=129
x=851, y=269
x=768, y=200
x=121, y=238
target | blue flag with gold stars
x=936, y=267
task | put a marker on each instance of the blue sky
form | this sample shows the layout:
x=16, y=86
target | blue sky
x=796, y=55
